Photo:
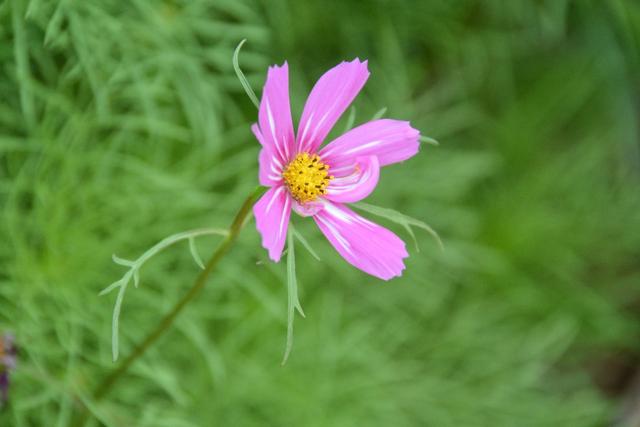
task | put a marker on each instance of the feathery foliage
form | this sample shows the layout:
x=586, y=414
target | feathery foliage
x=123, y=122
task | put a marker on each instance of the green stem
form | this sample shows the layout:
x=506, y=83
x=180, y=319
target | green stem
x=165, y=324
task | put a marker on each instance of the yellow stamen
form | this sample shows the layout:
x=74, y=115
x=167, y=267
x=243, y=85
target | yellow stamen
x=307, y=177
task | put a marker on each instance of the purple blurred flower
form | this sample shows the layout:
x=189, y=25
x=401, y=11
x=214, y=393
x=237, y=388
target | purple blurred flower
x=4, y=387
x=8, y=356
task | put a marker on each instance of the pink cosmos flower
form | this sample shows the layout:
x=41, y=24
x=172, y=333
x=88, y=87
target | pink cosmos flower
x=317, y=182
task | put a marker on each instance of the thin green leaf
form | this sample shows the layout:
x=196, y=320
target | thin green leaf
x=115, y=346
x=194, y=252
x=134, y=268
x=350, y=119
x=413, y=236
x=379, y=114
x=111, y=287
x=122, y=261
x=173, y=239
x=428, y=140
x=293, y=303
x=306, y=244
x=399, y=218
x=243, y=80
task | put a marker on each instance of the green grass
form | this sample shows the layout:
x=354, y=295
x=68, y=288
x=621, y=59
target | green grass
x=123, y=122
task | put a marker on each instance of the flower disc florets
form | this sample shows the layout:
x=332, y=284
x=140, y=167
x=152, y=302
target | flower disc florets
x=307, y=177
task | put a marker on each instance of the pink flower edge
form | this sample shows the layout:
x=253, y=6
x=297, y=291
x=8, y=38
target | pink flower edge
x=354, y=160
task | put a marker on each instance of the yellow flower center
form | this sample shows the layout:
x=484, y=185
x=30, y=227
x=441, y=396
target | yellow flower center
x=306, y=177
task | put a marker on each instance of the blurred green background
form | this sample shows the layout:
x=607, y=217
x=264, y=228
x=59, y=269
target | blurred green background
x=122, y=122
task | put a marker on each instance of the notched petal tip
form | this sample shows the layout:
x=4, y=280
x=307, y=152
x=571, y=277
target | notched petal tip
x=412, y=138
x=411, y=132
x=274, y=68
x=359, y=66
x=358, y=61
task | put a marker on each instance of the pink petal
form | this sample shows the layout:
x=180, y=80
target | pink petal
x=272, y=214
x=270, y=165
x=328, y=99
x=391, y=140
x=367, y=246
x=361, y=181
x=274, y=115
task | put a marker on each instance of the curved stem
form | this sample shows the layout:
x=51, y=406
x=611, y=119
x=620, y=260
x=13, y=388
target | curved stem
x=107, y=384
